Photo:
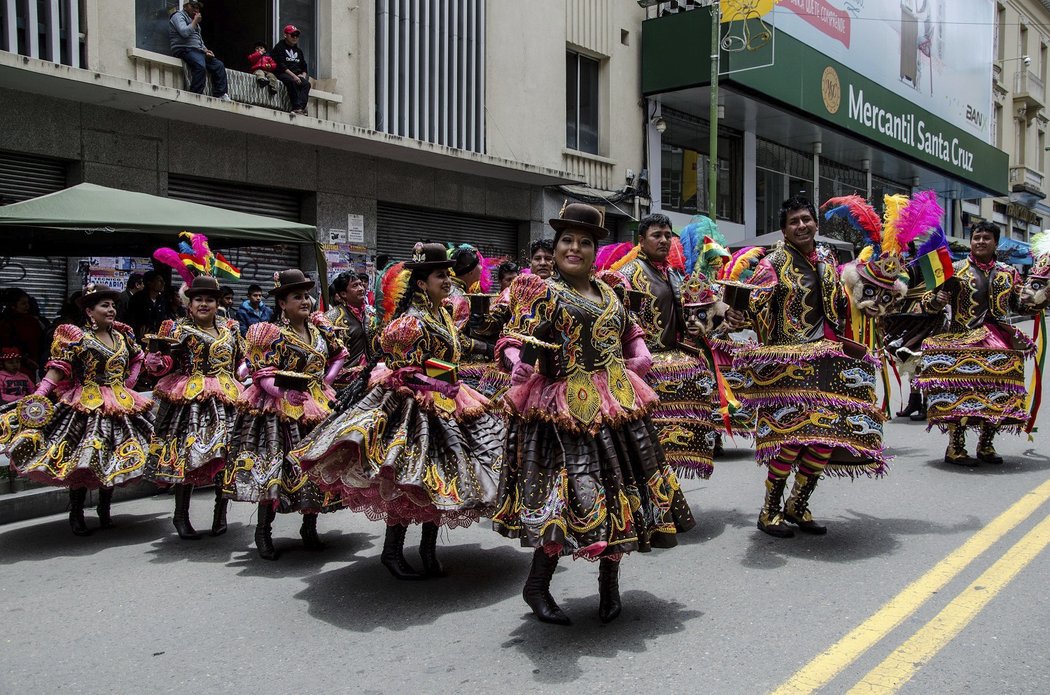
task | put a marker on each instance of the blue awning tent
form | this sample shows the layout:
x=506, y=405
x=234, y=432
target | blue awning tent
x=1014, y=252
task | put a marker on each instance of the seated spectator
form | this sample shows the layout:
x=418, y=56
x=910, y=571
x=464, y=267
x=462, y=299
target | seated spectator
x=19, y=328
x=262, y=66
x=292, y=69
x=14, y=383
x=226, y=303
x=133, y=287
x=184, y=35
x=252, y=310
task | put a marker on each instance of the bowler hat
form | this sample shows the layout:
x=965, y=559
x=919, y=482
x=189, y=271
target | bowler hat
x=288, y=281
x=583, y=217
x=204, y=284
x=428, y=257
x=93, y=294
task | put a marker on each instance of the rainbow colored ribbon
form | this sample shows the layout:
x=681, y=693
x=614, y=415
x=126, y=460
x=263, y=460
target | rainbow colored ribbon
x=1035, y=388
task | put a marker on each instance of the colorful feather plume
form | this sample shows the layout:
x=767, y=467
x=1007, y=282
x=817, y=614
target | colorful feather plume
x=892, y=205
x=393, y=286
x=1040, y=245
x=611, y=254
x=742, y=264
x=171, y=258
x=920, y=215
x=936, y=240
x=631, y=255
x=692, y=236
x=858, y=212
x=675, y=257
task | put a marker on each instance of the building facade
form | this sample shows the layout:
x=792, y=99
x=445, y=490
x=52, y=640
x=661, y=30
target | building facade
x=452, y=120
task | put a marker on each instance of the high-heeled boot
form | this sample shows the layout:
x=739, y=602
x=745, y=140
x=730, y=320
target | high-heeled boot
x=264, y=532
x=537, y=591
x=609, y=605
x=428, y=551
x=921, y=414
x=181, y=520
x=105, y=503
x=914, y=404
x=393, y=556
x=308, y=532
x=771, y=518
x=77, y=497
x=218, y=517
x=796, y=509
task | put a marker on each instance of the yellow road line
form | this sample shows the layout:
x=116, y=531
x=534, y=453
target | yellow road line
x=898, y=668
x=828, y=664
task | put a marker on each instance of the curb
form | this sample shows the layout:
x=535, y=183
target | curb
x=38, y=502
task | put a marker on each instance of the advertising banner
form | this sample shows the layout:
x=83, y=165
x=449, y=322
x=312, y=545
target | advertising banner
x=936, y=54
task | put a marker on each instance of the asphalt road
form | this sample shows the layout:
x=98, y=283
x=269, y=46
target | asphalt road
x=961, y=586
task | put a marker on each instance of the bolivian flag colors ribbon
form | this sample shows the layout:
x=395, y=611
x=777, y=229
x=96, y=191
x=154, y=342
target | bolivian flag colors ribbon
x=1035, y=388
x=727, y=402
x=440, y=370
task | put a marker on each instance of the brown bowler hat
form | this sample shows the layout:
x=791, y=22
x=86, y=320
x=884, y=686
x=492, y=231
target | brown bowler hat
x=204, y=284
x=583, y=217
x=429, y=257
x=289, y=280
x=93, y=294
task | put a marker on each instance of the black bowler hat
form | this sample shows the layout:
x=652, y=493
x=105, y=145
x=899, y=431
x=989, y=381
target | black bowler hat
x=289, y=280
x=93, y=294
x=204, y=284
x=583, y=217
x=428, y=257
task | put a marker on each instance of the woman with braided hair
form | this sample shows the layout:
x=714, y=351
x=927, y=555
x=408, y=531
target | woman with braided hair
x=97, y=434
x=420, y=446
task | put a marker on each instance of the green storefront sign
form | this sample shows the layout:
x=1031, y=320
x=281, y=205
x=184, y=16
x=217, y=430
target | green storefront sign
x=676, y=55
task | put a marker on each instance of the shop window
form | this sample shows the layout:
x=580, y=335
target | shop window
x=686, y=167
x=581, y=103
x=229, y=28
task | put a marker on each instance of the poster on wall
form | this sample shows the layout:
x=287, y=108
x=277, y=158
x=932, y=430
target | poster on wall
x=937, y=54
x=112, y=271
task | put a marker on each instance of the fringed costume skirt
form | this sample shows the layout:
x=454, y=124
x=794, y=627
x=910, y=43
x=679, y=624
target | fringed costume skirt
x=684, y=384
x=813, y=394
x=975, y=378
x=409, y=457
x=191, y=441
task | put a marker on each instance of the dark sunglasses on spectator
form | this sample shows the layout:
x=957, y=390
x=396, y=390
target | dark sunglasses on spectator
x=295, y=34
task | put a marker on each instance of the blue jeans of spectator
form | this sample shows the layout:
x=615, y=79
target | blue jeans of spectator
x=298, y=93
x=198, y=62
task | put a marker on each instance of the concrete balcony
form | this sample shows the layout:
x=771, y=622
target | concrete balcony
x=1026, y=186
x=594, y=170
x=1029, y=90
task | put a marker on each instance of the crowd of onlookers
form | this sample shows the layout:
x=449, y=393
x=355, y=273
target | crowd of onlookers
x=284, y=63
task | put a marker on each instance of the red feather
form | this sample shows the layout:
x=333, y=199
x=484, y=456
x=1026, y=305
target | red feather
x=863, y=213
x=676, y=257
x=608, y=255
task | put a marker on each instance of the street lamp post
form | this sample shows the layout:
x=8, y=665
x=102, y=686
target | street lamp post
x=712, y=163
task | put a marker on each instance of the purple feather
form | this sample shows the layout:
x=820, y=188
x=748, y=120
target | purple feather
x=934, y=241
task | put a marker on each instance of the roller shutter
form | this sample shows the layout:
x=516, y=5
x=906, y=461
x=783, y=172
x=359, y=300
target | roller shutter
x=44, y=278
x=257, y=263
x=399, y=227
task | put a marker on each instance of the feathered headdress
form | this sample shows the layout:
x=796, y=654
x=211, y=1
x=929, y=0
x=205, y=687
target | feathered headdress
x=194, y=257
x=702, y=243
x=742, y=264
x=676, y=256
x=615, y=256
x=922, y=214
x=392, y=287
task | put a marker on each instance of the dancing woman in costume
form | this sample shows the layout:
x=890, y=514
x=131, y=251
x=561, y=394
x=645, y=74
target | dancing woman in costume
x=292, y=366
x=198, y=392
x=97, y=435
x=357, y=321
x=584, y=473
x=419, y=448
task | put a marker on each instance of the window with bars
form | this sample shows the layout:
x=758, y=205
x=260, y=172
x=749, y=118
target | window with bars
x=430, y=71
x=581, y=103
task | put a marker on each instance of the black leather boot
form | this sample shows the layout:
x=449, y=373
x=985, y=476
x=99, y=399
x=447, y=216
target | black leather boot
x=428, y=552
x=921, y=414
x=105, y=501
x=218, y=518
x=308, y=532
x=609, y=605
x=393, y=557
x=264, y=532
x=181, y=519
x=914, y=404
x=77, y=496
x=537, y=591
x=796, y=509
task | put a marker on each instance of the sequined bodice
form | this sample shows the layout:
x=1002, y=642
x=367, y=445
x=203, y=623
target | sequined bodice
x=95, y=363
x=301, y=355
x=795, y=298
x=207, y=354
x=978, y=297
x=661, y=313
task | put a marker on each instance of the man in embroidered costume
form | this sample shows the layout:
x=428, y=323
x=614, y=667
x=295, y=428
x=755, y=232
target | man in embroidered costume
x=685, y=434
x=357, y=320
x=815, y=402
x=973, y=374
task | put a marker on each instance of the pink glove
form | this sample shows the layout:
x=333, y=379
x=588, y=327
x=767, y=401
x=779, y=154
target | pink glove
x=158, y=364
x=296, y=398
x=134, y=371
x=521, y=372
x=242, y=371
x=511, y=356
x=45, y=387
x=636, y=355
x=269, y=388
x=426, y=383
x=333, y=370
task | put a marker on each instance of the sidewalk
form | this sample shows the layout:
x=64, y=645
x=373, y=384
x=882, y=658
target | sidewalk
x=45, y=501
